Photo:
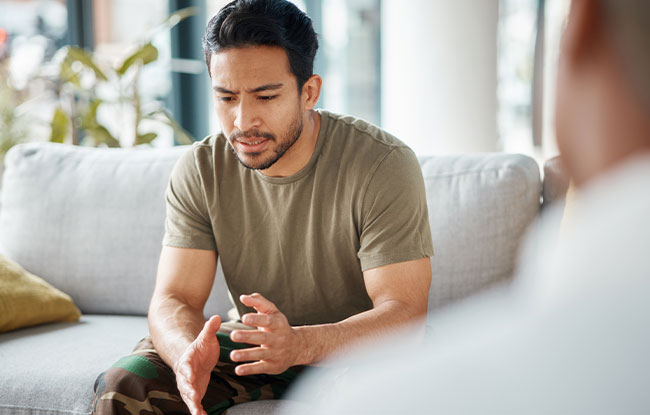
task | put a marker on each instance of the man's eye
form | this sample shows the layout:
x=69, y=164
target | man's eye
x=226, y=99
x=266, y=97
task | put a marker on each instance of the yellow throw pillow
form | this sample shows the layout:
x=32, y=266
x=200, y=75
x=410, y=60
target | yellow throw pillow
x=27, y=300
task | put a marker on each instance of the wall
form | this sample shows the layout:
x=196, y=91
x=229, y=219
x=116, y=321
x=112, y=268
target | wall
x=439, y=74
x=556, y=14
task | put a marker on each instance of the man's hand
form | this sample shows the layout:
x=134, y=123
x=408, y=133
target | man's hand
x=277, y=340
x=195, y=365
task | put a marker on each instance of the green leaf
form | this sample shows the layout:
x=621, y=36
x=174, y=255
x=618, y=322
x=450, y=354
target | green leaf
x=145, y=138
x=92, y=108
x=182, y=136
x=59, y=124
x=175, y=18
x=67, y=74
x=146, y=54
x=179, y=15
x=102, y=135
x=89, y=117
x=94, y=129
x=80, y=55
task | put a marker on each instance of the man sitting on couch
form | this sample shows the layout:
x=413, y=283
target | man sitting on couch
x=320, y=222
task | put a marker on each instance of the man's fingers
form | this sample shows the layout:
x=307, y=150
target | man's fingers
x=186, y=371
x=258, y=320
x=211, y=327
x=259, y=303
x=249, y=336
x=196, y=402
x=190, y=404
x=208, y=334
x=194, y=409
x=193, y=364
x=249, y=355
x=190, y=397
x=252, y=368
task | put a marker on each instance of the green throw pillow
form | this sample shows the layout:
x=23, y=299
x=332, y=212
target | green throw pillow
x=27, y=300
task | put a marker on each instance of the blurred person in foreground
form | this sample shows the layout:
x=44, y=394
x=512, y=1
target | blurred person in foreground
x=571, y=335
x=319, y=220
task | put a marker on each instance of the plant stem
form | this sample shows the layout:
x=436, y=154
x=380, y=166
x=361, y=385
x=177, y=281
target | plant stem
x=136, y=103
x=74, y=117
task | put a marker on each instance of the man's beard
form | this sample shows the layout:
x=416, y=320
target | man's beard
x=288, y=140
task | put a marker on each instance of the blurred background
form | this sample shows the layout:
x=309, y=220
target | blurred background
x=443, y=76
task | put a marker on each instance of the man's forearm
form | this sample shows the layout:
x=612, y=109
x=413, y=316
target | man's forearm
x=173, y=326
x=399, y=293
x=321, y=341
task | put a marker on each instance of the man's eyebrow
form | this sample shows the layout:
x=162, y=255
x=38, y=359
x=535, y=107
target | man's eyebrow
x=266, y=87
x=223, y=90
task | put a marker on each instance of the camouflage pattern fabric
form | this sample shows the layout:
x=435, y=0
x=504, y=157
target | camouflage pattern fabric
x=143, y=384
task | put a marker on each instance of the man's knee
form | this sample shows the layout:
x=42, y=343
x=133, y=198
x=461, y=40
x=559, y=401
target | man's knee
x=135, y=383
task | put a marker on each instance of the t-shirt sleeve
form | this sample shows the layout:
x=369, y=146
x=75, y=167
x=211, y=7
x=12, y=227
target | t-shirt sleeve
x=187, y=224
x=395, y=225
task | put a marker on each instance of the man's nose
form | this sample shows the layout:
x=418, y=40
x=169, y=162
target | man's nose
x=246, y=117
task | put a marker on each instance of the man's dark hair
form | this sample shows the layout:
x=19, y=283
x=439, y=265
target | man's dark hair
x=280, y=23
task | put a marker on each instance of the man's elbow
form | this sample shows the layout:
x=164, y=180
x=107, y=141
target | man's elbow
x=409, y=311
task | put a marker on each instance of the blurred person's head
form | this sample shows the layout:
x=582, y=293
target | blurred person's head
x=260, y=55
x=603, y=90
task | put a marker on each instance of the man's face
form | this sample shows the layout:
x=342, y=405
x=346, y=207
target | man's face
x=257, y=103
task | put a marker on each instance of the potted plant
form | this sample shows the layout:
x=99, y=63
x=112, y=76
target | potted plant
x=83, y=85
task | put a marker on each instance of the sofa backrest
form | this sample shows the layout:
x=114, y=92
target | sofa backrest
x=90, y=221
x=479, y=208
x=556, y=182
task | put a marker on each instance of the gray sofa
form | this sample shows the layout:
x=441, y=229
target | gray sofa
x=90, y=222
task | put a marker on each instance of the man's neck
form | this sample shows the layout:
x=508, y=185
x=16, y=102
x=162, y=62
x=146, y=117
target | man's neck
x=298, y=156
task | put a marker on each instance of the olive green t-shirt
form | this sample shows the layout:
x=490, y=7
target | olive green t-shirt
x=304, y=241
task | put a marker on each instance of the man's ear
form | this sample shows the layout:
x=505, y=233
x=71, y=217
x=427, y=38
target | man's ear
x=584, y=32
x=311, y=92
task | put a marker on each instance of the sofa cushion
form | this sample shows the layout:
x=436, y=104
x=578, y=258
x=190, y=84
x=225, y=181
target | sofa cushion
x=479, y=208
x=276, y=407
x=51, y=369
x=90, y=222
x=27, y=300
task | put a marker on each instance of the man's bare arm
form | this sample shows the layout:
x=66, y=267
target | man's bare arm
x=399, y=293
x=178, y=328
x=183, y=284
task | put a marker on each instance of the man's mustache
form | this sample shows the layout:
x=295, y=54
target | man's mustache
x=251, y=133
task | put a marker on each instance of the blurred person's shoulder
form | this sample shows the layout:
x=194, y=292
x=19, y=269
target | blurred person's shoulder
x=602, y=244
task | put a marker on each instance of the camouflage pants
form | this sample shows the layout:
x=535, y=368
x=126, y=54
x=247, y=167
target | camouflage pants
x=142, y=381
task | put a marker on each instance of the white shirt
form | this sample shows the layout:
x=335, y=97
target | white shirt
x=571, y=335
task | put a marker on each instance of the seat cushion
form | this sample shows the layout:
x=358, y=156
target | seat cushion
x=51, y=369
x=479, y=208
x=90, y=222
x=276, y=407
